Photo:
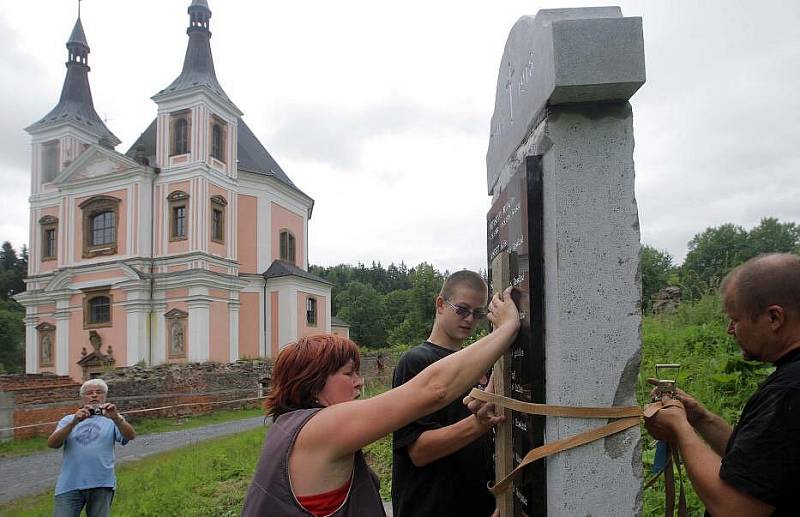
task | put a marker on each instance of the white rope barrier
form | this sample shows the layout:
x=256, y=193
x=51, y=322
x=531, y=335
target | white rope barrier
x=143, y=411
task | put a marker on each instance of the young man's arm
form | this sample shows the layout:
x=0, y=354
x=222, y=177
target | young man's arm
x=438, y=443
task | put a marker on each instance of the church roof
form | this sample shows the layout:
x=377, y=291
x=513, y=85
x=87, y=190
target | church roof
x=76, y=105
x=198, y=64
x=281, y=268
x=78, y=36
x=253, y=157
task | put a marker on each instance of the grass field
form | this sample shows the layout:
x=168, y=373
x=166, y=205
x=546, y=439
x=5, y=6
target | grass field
x=712, y=370
x=144, y=426
x=206, y=479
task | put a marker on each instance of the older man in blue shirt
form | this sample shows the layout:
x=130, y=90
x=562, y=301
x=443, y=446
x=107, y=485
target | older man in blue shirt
x=87, y=475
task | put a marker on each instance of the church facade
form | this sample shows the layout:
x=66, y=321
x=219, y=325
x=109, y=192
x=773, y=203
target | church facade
x=191, y=246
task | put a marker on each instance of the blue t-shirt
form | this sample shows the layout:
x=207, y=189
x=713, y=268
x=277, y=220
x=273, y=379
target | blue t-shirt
x=89, y=454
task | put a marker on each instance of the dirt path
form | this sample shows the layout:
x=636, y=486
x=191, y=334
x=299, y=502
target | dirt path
x=37, y=473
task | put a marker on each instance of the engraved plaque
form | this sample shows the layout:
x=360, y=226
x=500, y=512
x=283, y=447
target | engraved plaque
x=514, y=226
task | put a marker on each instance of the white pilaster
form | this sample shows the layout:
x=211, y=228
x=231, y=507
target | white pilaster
x=199, y=321
x=62, y=336
x=31, y=342
x=158, y=326
x=233, y=339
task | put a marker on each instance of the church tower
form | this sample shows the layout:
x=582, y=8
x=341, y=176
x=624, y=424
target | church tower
x=73, y=125
x=196, y=149
x=196, y=119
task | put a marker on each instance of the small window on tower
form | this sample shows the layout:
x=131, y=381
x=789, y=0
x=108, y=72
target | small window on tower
x=218, y=135
x=179, y=217
x=50, y=158
x=49, y=225
x=180, y=126
x=287, y=246
x=218, y=205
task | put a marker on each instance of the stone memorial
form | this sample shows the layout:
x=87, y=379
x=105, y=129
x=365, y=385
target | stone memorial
x=563, y=228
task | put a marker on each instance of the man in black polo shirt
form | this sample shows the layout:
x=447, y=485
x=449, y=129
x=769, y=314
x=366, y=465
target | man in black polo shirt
x=443, y=462
x=752, y=469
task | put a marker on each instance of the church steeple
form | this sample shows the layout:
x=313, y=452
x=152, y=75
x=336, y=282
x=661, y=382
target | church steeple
x=198, y=64
x=75, y=105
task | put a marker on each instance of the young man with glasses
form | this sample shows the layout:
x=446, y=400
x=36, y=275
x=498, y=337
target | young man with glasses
x=443, y=461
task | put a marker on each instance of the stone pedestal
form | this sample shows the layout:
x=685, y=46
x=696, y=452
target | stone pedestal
x=564, y=229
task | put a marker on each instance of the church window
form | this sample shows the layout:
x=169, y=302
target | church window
x=311, y=311
x=100, y=222
x=179, y=216
x=49, y=225
x=287, y=246
x=179, y=222
x=180, y=123
x=50, y=159
x=97, y=308
x=218, y=134
x=218, y=205
x=103, y=229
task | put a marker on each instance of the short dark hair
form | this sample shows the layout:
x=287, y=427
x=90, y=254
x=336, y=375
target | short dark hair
x=465, y=278
x=303, y=368
x=771, y=279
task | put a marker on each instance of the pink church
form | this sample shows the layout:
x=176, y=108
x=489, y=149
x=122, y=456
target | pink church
x=192, y=246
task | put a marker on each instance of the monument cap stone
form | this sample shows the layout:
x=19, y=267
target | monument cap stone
x=561, y=56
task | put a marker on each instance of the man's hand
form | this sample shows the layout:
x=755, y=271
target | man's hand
x=110, y=411
x=80, y=415
x=486, y=413
x=695, y=411
x=669, y=422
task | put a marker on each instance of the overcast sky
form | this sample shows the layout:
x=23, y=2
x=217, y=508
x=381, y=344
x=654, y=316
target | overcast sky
x=380, y=111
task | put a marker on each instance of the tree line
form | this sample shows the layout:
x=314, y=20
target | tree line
x=712, y=254
x=394, y=305
x=13, y=268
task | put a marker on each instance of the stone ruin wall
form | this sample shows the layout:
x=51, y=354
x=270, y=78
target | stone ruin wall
x=27, y=399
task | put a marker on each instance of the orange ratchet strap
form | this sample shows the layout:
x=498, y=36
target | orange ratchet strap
x=628, y=416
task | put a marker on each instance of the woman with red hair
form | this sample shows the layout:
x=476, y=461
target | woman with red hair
x=311, y=463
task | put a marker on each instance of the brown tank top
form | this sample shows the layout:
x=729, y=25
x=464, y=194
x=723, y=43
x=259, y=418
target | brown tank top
x=270, y=494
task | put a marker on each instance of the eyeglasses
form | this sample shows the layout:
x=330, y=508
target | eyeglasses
x=463, y=312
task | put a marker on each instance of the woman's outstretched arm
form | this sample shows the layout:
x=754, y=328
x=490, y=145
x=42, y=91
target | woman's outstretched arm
x=342, y=429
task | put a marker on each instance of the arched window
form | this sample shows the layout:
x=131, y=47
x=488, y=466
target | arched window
x=218, y=141
x=97, y=308
x=287, y=246
x=100, y=221
x=181, y=137
x=180, y=124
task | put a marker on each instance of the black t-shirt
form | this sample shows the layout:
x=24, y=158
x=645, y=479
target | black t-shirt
x=762, y=457
x=451, y=486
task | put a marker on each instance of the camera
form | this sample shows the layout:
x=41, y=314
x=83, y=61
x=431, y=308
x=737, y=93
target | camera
x=95, y=410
